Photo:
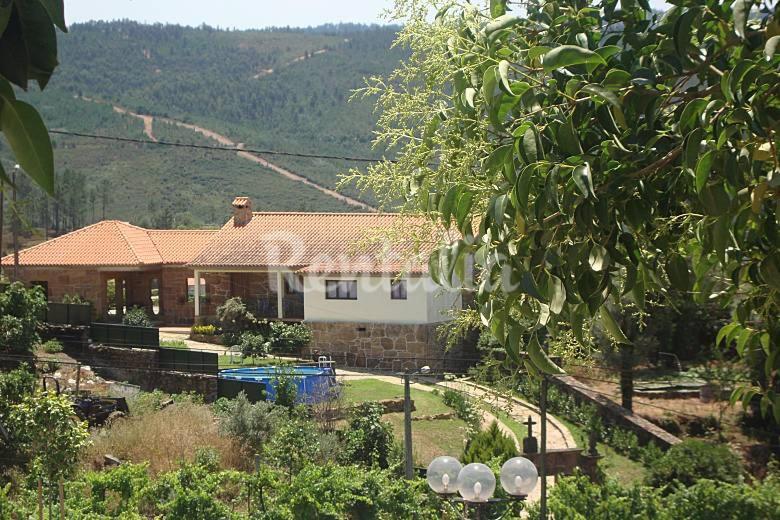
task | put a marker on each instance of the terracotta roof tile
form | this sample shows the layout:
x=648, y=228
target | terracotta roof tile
x=310, y=242
x=112, y=243
x=180, y=246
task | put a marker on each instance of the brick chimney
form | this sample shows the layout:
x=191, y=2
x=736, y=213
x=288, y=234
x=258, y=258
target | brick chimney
x=242, y=211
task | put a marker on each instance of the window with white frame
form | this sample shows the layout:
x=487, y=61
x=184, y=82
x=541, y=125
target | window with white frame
x=341, y=289
x=398, y=289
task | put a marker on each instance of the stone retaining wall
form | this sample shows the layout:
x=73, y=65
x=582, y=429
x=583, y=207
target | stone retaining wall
x=141, y=367
x=388, y=346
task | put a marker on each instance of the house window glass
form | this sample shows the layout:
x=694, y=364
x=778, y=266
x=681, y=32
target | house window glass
x=341, y=289
x=191, y=289
x=398, y=290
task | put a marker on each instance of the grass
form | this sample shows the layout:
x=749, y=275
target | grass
x=429, y=438
x=164, y=438
x=174, y=343
x=227, y=361
x=519, y=429
x=426, y=403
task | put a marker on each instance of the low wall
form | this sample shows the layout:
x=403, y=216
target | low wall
x=388, y=346
x=612, y=412
x=142, y=367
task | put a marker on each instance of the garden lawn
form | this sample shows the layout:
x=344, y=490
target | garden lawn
x=429, y=438
x=425, y=403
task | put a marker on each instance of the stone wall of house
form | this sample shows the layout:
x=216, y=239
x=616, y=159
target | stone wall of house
x=89, y=284
x=388, y=346
x=176, y=308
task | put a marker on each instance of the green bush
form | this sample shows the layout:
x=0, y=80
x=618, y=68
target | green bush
x=693, y=460
x=234, y=319
x=14, y=387
x=75, y=299
x=464, y=409
x=288, y=337
x=252, y=423
x=489, y=444
x=204, y=330
x=367, y=440
x=252, y=344
x=136, y=317
x=21, y=310
x=286, y=386
x=51, y=346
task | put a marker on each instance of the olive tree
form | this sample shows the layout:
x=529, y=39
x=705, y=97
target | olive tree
x=590, y=154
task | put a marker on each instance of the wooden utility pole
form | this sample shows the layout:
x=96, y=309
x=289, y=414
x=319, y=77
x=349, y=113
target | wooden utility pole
x=15, y=223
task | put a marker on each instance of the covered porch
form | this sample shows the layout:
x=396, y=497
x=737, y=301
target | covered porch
x=268, y=294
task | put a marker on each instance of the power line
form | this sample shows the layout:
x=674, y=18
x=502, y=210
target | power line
x=222, y=148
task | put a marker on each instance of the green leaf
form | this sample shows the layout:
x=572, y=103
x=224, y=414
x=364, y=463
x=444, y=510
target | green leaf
x=691, y=148
x=771, y=47
x=682, y=31
x=503, y=72
x=678, y=273
x=703, y=169
x=583, y=179
x=434, y=266
x=611, y=326
x=715, y=199
x=27, y=135
x=468, y=95
x=497, y=8
x=529, y=149
x=724, y=332
x=502, y=22
x=5, y=15
x=569, y=55
x=489, y=84
x=41, y=40
x=557, y=294
x=689, y=119
x=540, y=359
x=741, y=10
x=598, y=257
x=56, y=11
x=568, y=140
x=528, y=285
x=464, y=208
x=535, y=52
x=447, y=205
x=616, y=78
x=770, y=271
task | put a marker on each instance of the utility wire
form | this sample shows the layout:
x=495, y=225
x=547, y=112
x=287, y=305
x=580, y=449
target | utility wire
x=221, y=148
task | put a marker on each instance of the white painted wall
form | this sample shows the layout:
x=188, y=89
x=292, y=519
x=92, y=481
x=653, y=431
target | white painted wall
x=424, y=304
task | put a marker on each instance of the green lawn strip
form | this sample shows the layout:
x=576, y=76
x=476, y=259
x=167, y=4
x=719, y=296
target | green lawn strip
x=520, y=430
x=174, y=343
x=425, y=403
x=226, y=361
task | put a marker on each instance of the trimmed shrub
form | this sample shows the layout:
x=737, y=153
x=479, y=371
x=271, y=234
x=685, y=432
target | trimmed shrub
x=288, y=337
x=368, y=441
x=252, y=344
x=489, y=444
x=693, y=460
x=136, y=317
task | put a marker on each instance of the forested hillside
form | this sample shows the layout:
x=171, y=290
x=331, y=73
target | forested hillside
x=281, y=89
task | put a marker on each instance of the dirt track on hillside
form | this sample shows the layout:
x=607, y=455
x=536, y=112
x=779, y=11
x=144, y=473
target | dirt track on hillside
x=223, y=140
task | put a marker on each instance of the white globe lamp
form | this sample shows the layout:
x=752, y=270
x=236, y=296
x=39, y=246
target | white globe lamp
x=442, y=475
x=519, y=476
x=476, y=482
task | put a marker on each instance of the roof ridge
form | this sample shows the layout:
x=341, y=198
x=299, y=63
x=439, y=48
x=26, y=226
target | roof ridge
x=127, y=241
x=55, y=239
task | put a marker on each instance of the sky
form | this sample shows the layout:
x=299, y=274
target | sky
x=240, y=14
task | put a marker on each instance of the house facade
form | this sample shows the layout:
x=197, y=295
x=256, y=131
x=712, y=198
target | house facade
x=362, y=297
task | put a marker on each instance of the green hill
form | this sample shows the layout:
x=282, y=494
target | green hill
x=281, y=89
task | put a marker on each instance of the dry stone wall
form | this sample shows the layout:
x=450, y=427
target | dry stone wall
x=388, y=346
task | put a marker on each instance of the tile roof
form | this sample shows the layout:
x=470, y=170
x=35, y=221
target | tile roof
x=312, y=243
x=112, y=243
x=179, y=246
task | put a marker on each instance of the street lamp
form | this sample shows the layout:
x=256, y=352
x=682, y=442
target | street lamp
x=476, y=483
